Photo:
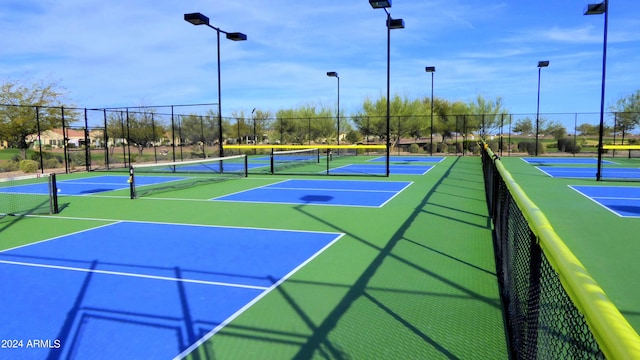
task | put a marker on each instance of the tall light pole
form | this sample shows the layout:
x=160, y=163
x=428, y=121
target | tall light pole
x=431, y=69
x=391, y=24
x=335, y=75
x=541, y=64
x=199, y=19
x=598, y=9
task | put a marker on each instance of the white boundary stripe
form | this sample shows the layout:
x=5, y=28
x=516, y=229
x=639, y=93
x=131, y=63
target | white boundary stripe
x=60, y=236
x=135, y=275
x=215, y=330
x=593, y=199
x=397, y=193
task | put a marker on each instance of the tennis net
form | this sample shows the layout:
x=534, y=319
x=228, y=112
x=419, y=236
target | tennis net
x=314, y=159
x=145, y=179
x=29, y=194
x=291, y=158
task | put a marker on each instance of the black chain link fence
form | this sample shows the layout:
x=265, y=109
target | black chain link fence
x=542, y=320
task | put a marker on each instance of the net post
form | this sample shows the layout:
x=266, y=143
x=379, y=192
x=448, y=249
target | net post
x=246, y=166
x=132, y=184
x=53, y=190
x=272, y=162
x=329, y=154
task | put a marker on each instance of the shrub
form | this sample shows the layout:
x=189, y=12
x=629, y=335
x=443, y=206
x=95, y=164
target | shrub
x=28, y=166
x=77, y=158
x=7, y=166
x=567, y=145
x=414, y=148
x=530, y=147
x=51, y=163
x=442, y=147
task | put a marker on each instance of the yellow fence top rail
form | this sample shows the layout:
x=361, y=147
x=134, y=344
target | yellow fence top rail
x=621, y=147
x=322, y=146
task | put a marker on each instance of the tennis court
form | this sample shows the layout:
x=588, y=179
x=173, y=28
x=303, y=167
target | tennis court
x=190, y=281
x=322, y=192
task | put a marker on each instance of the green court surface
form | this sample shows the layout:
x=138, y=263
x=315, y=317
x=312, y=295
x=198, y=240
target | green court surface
x=413, y=279
x=605, y=243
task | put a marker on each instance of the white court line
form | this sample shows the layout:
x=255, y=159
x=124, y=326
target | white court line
x=215, y=330
x=153, y=277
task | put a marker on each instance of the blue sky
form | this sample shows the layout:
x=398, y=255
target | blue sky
x=127, y=53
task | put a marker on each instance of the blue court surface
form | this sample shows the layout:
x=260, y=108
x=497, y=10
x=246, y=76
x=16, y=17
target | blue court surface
x=141, y=290
x=408, y=159
x=623, y=201
x=590, y=172
x=99, y=184
x=375, y=169
x=90, y=185
x=322, y=192
x=565, y=160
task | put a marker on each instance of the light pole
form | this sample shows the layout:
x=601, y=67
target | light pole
x=335, y=75
x=598, y=9
x=431, y=69
x=391, y=24
x=541, y=64
x=199, y=19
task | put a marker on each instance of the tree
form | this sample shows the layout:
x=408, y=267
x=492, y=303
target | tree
x=31, y=107
x=556, y=129
x=523, y=126
x=139, y=127
x=587, y=129
x=490, y=113
x=407, y=118
x=627, y=113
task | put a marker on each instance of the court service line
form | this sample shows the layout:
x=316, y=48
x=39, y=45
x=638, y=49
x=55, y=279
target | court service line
x=153, y=277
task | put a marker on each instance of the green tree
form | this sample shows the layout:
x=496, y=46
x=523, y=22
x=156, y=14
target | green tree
x=588, y=129
x=627, y=113
x=31, y=107
x=139, y=127
x=524, y=126
x=488, y=113
x=407, y=119
x=555, y=129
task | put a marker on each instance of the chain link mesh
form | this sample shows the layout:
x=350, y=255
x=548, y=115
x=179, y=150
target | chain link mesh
x=542, y=320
